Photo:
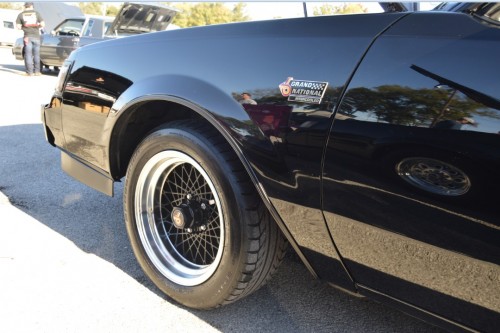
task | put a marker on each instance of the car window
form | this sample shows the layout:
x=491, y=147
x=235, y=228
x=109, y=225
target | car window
x=70, y=28
x=8, y=24
x=150, y=17
x=88, y=30
x=107, y=25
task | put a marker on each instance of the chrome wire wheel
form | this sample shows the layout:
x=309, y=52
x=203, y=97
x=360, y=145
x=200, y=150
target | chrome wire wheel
x=434, y=176
x=173, y=185
x=196, y=224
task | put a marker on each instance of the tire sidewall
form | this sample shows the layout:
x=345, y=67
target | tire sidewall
x=213, y=291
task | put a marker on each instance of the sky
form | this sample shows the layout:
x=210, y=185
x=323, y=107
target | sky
x=270, y=10
x=264, y=10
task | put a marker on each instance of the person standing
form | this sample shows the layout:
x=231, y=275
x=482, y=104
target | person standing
x=30, y=21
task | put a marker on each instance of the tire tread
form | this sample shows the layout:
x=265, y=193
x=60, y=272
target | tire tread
x=266, y=244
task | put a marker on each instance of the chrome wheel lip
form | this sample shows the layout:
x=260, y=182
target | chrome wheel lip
x=165, y=258
x=434, y=176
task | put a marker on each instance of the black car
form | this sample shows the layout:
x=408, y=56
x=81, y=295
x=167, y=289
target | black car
x=369, y=143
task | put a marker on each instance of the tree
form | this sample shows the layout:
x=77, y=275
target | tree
x=206, y=13
x=401, y=105
x=112, y=10
x=345, y=8
x=238, y=13
x=11, y=5
x=98, y=8
x=91, y=8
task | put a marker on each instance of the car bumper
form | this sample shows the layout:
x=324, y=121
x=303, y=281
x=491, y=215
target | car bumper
x=69, y=163
x=48, y=137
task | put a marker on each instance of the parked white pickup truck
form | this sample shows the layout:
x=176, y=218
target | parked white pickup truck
x=8, y=31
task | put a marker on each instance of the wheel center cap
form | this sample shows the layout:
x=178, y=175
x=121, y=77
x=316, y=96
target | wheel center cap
x=178, y=218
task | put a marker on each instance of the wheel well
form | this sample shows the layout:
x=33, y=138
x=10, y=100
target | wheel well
x=140, y=120
x=137, y=122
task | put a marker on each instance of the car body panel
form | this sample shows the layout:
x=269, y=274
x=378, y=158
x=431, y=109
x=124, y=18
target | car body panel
x=139, y=18
x=432, y=242
x=268, y=156
x=54, y=13
x=331, y=94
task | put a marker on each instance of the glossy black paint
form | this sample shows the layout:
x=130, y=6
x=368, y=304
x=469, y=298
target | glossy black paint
x=275, y=166
x=418, y=241
x=326, y=170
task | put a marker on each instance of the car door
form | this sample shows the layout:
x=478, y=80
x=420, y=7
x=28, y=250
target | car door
x=57, y=45
x=412, y=202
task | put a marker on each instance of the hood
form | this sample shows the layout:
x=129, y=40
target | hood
x=54, y=13
x=138, y=18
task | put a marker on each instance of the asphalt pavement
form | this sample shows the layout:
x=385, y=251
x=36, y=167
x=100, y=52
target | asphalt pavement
x=66, y=264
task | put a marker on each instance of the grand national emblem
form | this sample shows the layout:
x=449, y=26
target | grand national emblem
x=303, y=91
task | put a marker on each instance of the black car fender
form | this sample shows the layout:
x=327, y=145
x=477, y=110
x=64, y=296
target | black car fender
x=197, y=99
x=192, y=96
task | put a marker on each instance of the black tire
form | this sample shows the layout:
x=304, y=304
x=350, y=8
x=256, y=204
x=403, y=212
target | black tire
x=239, y=245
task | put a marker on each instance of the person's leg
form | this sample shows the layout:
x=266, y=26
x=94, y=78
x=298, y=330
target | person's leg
x=36, y=55
x=28, y=55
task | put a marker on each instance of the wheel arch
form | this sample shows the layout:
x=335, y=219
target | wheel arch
x=139, y=119
x=145, y=107
x=153, y=101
